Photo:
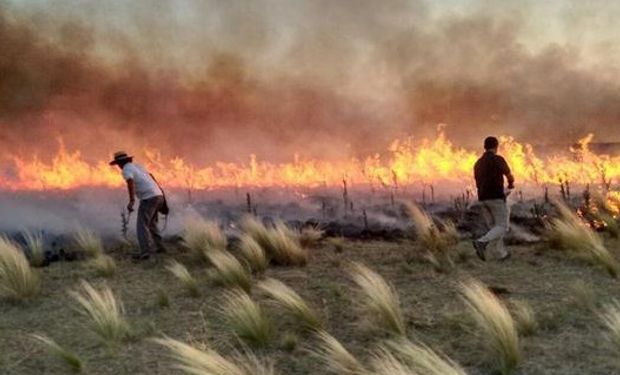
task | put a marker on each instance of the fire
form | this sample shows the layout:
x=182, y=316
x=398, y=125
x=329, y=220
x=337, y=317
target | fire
x=405, y=162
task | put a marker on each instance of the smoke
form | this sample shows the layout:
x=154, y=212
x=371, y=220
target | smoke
x=217, y=80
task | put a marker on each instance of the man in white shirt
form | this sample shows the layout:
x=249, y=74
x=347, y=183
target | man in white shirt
x=141, y=184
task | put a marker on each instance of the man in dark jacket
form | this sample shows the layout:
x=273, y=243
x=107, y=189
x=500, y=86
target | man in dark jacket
x=489, y=172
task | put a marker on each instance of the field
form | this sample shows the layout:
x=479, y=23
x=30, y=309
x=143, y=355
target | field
x=565, y=293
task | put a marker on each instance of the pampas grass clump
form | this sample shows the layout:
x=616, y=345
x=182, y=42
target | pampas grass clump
x=253, y=254
x=71, y=359
x=34, y=245
x=247, y=319
x=610, y=316
x=423, y=360
x=17, y=279
x=280, y=243
x=202, y=236
x=378, y=299
x=435, y=241
x=88, y=242
x=228, y=271
x=292, y=302
x=568, y=232
x=525, y=317
x=310, y=235
x=104, y=265
x=336, y=357
x=182, y=274
x=104, y=310
x=496, y=324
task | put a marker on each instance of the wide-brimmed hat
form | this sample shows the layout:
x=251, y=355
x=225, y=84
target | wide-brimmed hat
x=119, y=157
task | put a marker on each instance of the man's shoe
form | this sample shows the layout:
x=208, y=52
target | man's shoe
x=480, y=248
x=504, y=258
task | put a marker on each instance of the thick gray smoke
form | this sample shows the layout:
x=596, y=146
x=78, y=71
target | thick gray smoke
x=217, y=80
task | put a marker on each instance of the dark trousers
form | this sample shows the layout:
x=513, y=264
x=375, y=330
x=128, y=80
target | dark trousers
x=148, y=232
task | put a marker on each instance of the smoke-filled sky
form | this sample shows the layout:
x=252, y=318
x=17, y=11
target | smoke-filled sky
x=219, y=79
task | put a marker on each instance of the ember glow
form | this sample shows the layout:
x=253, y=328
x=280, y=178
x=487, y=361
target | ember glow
x=407, y=162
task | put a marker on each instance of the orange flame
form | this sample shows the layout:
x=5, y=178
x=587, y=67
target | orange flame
x=406, y=163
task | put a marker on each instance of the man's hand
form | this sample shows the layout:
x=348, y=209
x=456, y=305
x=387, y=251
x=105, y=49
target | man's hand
x=130, y=205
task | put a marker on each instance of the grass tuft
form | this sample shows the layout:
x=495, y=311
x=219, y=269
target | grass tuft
x=254, y=254
x=88, y=242
x=69, y=358
x=104, y=265
x=568, y=232
x=228, y=271
x=104, y=310
x=525, y=317
x=437, y=242
x=423, y=360
x=18, y=281
x=187, y=280
x=583, y=295
x=610, y=316
x=336, y=357
x=191, y=360
x=494, y=320
x=202, y=236
x=280, y=243
x=378, y=299
x=247, y=319
x=35, y=248
x=310, y=235
x=292, y=302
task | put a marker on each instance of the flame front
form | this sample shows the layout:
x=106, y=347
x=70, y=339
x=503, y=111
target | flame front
x=406, y=163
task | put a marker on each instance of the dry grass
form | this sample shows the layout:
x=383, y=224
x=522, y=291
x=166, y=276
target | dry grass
x=194, y=361
x=525, y=317
x=292, y=302
x=423, y=360
x=187, y=280
x=104, y=265
x=377, y=299
x=228, y=271
x=34, y=245
x=496, y=324
x=336, y=357
x=437, y=242
x=254, y=254
x=69, y=358
x=88, y=242
x=247, y=319
x=386, y=363
x=338, y=244
x=310, y=235
x=280, y=243
x=202, y=236
x=104, y=310
x=569, y=232
x=610, y=316
x=583, y=295
x=17, y=280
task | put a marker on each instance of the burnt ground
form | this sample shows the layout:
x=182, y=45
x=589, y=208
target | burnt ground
x=570, y=339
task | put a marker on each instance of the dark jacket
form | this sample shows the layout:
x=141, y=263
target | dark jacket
x=489, y=172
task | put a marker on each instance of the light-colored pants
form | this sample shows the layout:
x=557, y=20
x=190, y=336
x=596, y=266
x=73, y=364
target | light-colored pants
x=148, y=233
x=500, y=214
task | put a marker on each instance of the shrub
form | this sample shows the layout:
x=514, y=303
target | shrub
x=17, y=280
x=182, y=274
x=246, y=319
x=228, y=271
x=496, y=324
x=336, y=357
x=194, y=361
x=292, y=302
x=71, y=359
x=105, y=312
x=378, y=299
x=88, y=242
x=254, y=254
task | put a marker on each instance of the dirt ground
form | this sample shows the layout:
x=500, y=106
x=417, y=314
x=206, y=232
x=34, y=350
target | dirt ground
x=570, y=339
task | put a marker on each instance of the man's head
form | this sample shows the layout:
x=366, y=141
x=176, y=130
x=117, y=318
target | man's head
x=491, y=144
x=121, y=158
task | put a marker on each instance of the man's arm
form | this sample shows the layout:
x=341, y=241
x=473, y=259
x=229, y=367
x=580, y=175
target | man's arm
x=131, y=189
x=506, y=171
